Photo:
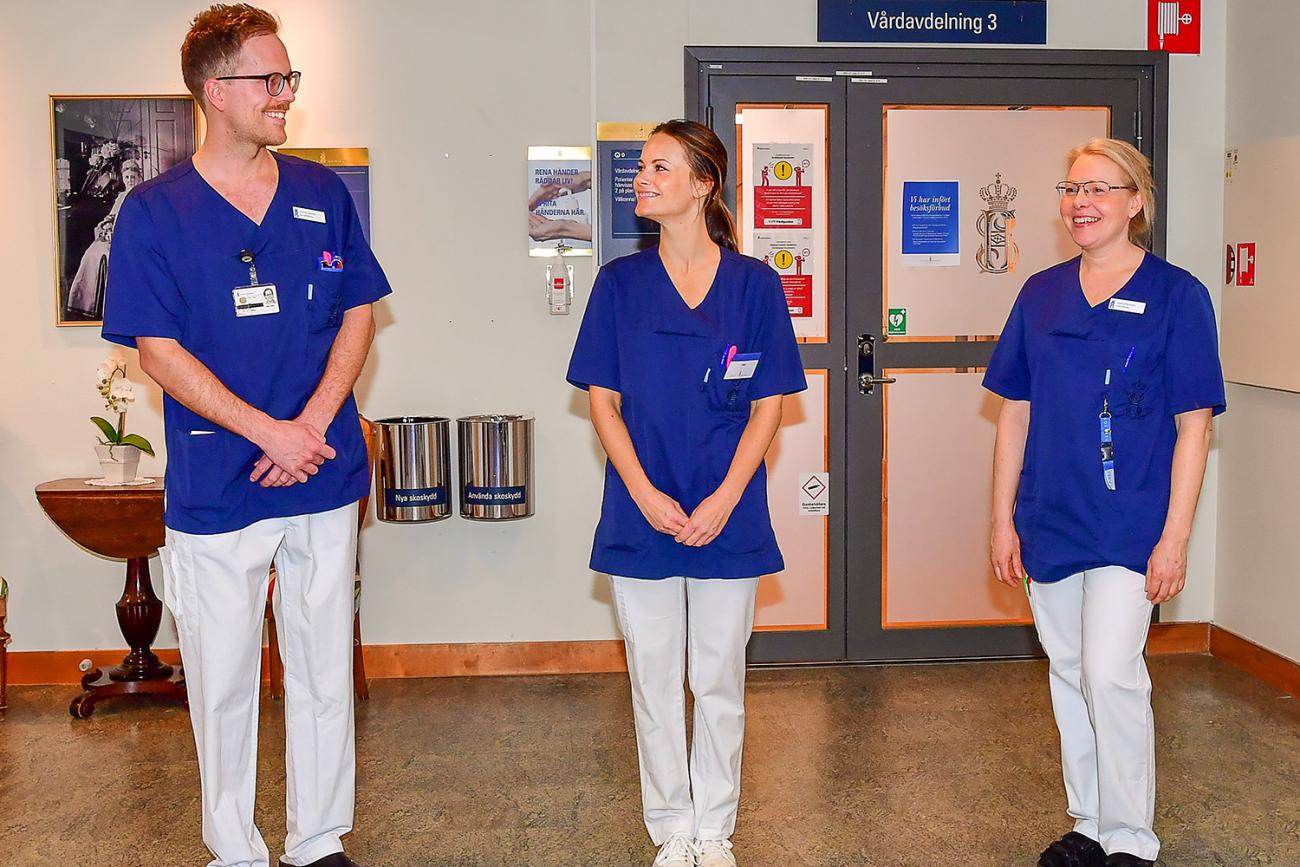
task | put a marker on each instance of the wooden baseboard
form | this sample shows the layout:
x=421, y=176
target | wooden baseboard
x=37, y=667
x=34, y=667
x=468, y=660
x=472, y=660
x=1262, y=664
x=1167, y=638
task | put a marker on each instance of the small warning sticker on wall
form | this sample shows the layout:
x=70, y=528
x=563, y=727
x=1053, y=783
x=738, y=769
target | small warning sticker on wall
x=814, y=494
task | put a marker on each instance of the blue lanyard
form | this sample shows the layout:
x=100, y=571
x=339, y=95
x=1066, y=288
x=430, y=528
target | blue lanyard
x=1107, y=439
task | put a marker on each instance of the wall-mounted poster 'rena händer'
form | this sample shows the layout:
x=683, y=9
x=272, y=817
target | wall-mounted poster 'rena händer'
x=103, y=146
x=559, y=201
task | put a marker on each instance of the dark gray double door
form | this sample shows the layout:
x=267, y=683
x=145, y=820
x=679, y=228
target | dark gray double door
x=859, y=89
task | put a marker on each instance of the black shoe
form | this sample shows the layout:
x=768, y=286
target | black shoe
x=1124, y=859
x=338, y=859
x=1073, y=850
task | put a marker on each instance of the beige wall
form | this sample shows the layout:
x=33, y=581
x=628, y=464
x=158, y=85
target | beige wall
x=1258, y=590
x=446, y=96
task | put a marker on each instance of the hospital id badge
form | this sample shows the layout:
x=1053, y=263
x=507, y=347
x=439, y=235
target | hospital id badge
x=260, y=299
x=742, y=365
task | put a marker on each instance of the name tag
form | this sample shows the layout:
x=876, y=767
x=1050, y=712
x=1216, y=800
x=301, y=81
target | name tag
x=257, y=300
x=1123, y=305
x=314, y=216
x=742, y=365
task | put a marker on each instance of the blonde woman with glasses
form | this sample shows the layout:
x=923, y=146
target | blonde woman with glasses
x=1109, y=370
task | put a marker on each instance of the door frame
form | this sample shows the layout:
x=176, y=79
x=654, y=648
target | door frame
x=1147, y=71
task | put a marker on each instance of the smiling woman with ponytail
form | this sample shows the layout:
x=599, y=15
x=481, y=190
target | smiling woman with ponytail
x=686, y=350
x=707, y=159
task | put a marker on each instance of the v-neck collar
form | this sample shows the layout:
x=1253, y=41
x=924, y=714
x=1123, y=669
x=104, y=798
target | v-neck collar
x=722, y=258
x=1101, y=305
x=275, y=197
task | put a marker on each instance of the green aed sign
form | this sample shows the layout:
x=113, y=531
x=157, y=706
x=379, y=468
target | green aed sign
x=897, y=324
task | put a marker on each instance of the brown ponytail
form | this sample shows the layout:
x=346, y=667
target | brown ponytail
x=707, y=158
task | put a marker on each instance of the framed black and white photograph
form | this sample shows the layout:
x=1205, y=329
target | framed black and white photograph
x=102, y=147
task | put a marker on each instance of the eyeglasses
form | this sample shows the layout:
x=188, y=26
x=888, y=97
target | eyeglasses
x=1092, y=189
x=274, y=81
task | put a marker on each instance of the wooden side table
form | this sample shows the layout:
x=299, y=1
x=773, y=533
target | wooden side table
x=122, y=523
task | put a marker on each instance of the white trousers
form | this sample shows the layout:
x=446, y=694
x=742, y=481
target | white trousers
x=216, y=586
x=1093, y=626
x=708, y=621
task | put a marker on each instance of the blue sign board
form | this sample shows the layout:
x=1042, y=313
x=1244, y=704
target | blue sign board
x=621, y=230
x=415, y=497
x=357, y=180
x=930, y=215
x=472, y=494
x=981, y=22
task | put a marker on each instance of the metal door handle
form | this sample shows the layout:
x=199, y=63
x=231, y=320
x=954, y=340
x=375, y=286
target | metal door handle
x=867, y=379
x=867, y=383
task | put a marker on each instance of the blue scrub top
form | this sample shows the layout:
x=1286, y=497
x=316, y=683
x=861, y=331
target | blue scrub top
x=640, y=339
x=174, y=264
x=1054, y=352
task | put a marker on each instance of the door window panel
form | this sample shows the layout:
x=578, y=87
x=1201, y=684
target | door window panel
x=937, y=486
x=1003, y=162
x=796, y=599
x=781, y=149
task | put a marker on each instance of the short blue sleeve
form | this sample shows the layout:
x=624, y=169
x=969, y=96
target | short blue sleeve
x=141, y=298
x=364, y=281
x=595, y=354
x=780, y=369
x=1193, y=374
x=1008, y=371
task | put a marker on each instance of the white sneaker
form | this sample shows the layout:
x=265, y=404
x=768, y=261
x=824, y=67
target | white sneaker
x=715, y=853
x=678, y=851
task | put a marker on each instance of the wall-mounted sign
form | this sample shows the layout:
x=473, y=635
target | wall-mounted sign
x=930, y=229
x=897, y=322
x=352, y=165
x=814, y=494
x=559, y=201
x=984, y=22
x=1246, y=264
x=790, y=254
x=783, y=182
x=618, y=148
x=1174, y=26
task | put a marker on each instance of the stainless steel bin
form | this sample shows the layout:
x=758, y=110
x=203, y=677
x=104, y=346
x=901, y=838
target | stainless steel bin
x=413, y=469
x=496, y=467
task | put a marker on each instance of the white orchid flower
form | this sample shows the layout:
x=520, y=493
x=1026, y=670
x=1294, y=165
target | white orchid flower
x=123, y=392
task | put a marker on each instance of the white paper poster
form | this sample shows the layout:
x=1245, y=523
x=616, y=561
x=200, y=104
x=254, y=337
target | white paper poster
x=790, y=254
x=559, y=201
x=783, y=185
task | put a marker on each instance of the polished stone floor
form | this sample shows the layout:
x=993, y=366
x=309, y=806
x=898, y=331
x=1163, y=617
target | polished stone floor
x=949, y=765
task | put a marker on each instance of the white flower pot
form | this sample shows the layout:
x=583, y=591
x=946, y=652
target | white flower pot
x=120, y=464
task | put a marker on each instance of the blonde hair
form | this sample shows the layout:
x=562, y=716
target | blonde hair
x=1136, y=169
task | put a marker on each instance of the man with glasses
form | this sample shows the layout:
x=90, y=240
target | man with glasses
x=218, y=276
